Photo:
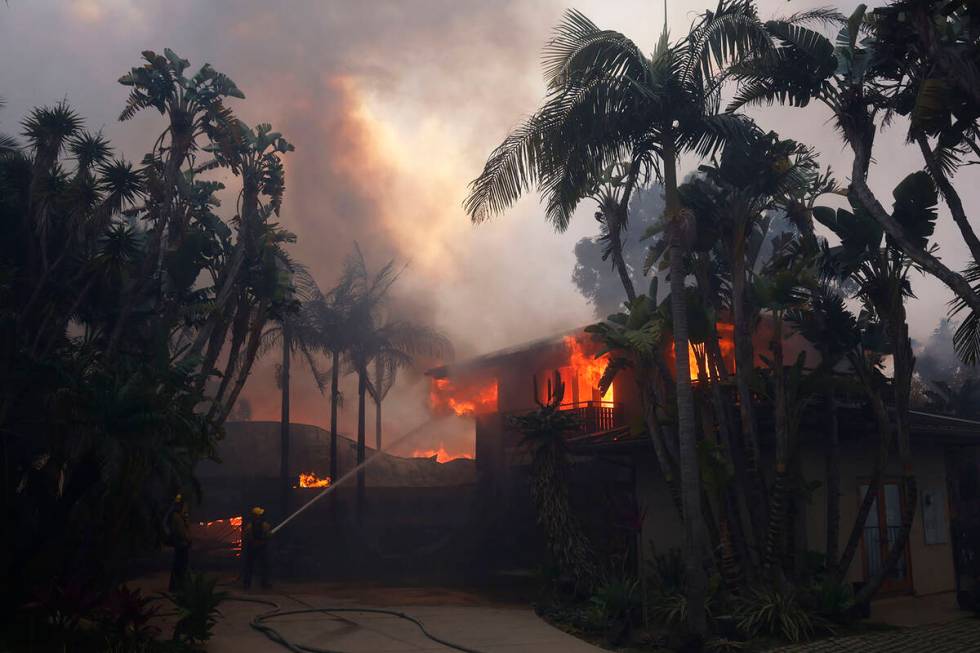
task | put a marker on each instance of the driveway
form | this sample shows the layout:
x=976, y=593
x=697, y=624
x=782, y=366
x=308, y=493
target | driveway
x=475, y=621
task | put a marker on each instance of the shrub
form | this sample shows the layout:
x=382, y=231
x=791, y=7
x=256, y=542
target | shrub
x=769, y=611
x=197, y=602
x=833, y=600
x=125, y=616
x=667, y=572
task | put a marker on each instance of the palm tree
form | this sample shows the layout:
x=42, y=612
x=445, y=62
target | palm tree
x=334, y=332
x=608, y=102
x=8, y=144
x=361, y=340
x=732, y=202
x=397, y=344
x=294, y=332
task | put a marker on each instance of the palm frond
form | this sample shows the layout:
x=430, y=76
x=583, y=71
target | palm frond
x=966, y=338
x=510, y=171
x=731, y=32
x=579, y=49
x=825, y=16
x=713, y=131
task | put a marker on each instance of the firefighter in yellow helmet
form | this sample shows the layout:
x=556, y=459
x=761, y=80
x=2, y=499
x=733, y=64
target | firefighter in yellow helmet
x=255, y=544
x=178, y=533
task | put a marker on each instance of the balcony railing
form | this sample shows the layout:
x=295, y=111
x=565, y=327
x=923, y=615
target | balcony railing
x=595, y=416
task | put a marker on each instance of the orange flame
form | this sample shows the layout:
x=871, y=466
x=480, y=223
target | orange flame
x=726, y=342
x=229, y=531
x=312, y=480
x=440, y=454
x=447, y=397
x=587, y=370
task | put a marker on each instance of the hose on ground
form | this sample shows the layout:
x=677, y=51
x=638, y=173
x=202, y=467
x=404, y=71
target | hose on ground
x=258, y=624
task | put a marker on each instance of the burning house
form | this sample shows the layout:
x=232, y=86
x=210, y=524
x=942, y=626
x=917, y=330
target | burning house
x=616, y=475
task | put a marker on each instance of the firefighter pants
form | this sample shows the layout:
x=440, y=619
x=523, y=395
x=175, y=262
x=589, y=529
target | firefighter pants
x=257, y=556
x=182, y=555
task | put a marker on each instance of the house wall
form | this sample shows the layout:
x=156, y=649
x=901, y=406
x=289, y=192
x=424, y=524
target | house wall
x=662, y=526
x=931, y=564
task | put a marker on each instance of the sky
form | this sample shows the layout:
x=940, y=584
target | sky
x=393, y=106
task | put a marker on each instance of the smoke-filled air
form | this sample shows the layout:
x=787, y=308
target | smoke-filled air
x=489, y=326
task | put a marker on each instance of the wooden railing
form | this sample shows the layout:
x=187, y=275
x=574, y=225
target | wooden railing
x=595, y=416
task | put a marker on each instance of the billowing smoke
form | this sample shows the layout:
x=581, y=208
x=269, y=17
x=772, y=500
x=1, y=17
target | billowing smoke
x=393, y=107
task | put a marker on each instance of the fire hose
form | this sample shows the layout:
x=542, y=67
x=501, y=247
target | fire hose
x=258, y=624
x=333, y=484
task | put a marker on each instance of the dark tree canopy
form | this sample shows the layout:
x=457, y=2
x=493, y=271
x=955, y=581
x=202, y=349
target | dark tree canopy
x=595, y=276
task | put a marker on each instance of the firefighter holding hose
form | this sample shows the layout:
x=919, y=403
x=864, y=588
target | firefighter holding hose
x=255, y=542
x=178, y=535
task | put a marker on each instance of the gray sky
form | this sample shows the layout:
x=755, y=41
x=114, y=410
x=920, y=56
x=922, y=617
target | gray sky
x=393, y=107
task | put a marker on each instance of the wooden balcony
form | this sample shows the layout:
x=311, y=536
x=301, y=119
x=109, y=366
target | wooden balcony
x=596, y=416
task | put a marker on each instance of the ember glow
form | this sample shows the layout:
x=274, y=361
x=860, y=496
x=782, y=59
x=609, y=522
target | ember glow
x=583, y=373
x=219, y=534
x=450, y=397
x=440, y=454
x=312, y=480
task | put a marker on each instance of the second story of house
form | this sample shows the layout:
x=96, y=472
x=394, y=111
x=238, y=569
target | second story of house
x=515, y=380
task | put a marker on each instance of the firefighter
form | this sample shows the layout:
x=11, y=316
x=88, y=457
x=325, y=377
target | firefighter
x=179, y=533
x=255, y=540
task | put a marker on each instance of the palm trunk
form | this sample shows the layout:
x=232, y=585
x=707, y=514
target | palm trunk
x=616, y=250
x=735, y=497
x=950, y=195
x=284, y=479
x=251, y=349
x=904, y=363
x=833, y=480
x=686, y=432
x=927, y=260
x=874, y=484
x=744, y=365
x=377, y=404
x=776, y=531
x=361, y=406
x=334, y=382
x=668, y=467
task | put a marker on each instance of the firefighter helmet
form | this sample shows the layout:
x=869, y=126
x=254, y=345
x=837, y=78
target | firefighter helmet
x=258, y=511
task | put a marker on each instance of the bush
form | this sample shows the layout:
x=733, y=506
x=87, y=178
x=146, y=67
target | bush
x=833, y=600
x=667, y=572
x=197, y=602
x=125, y=616
x=769, y=611
x=616, y=606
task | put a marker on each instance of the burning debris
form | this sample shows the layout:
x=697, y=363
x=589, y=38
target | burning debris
x=312, y=480
x=219, y=534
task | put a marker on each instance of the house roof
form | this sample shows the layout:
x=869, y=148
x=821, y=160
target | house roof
x=496, y=357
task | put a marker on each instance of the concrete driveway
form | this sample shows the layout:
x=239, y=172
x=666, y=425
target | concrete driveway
x=477, y=621
x=487, y=629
